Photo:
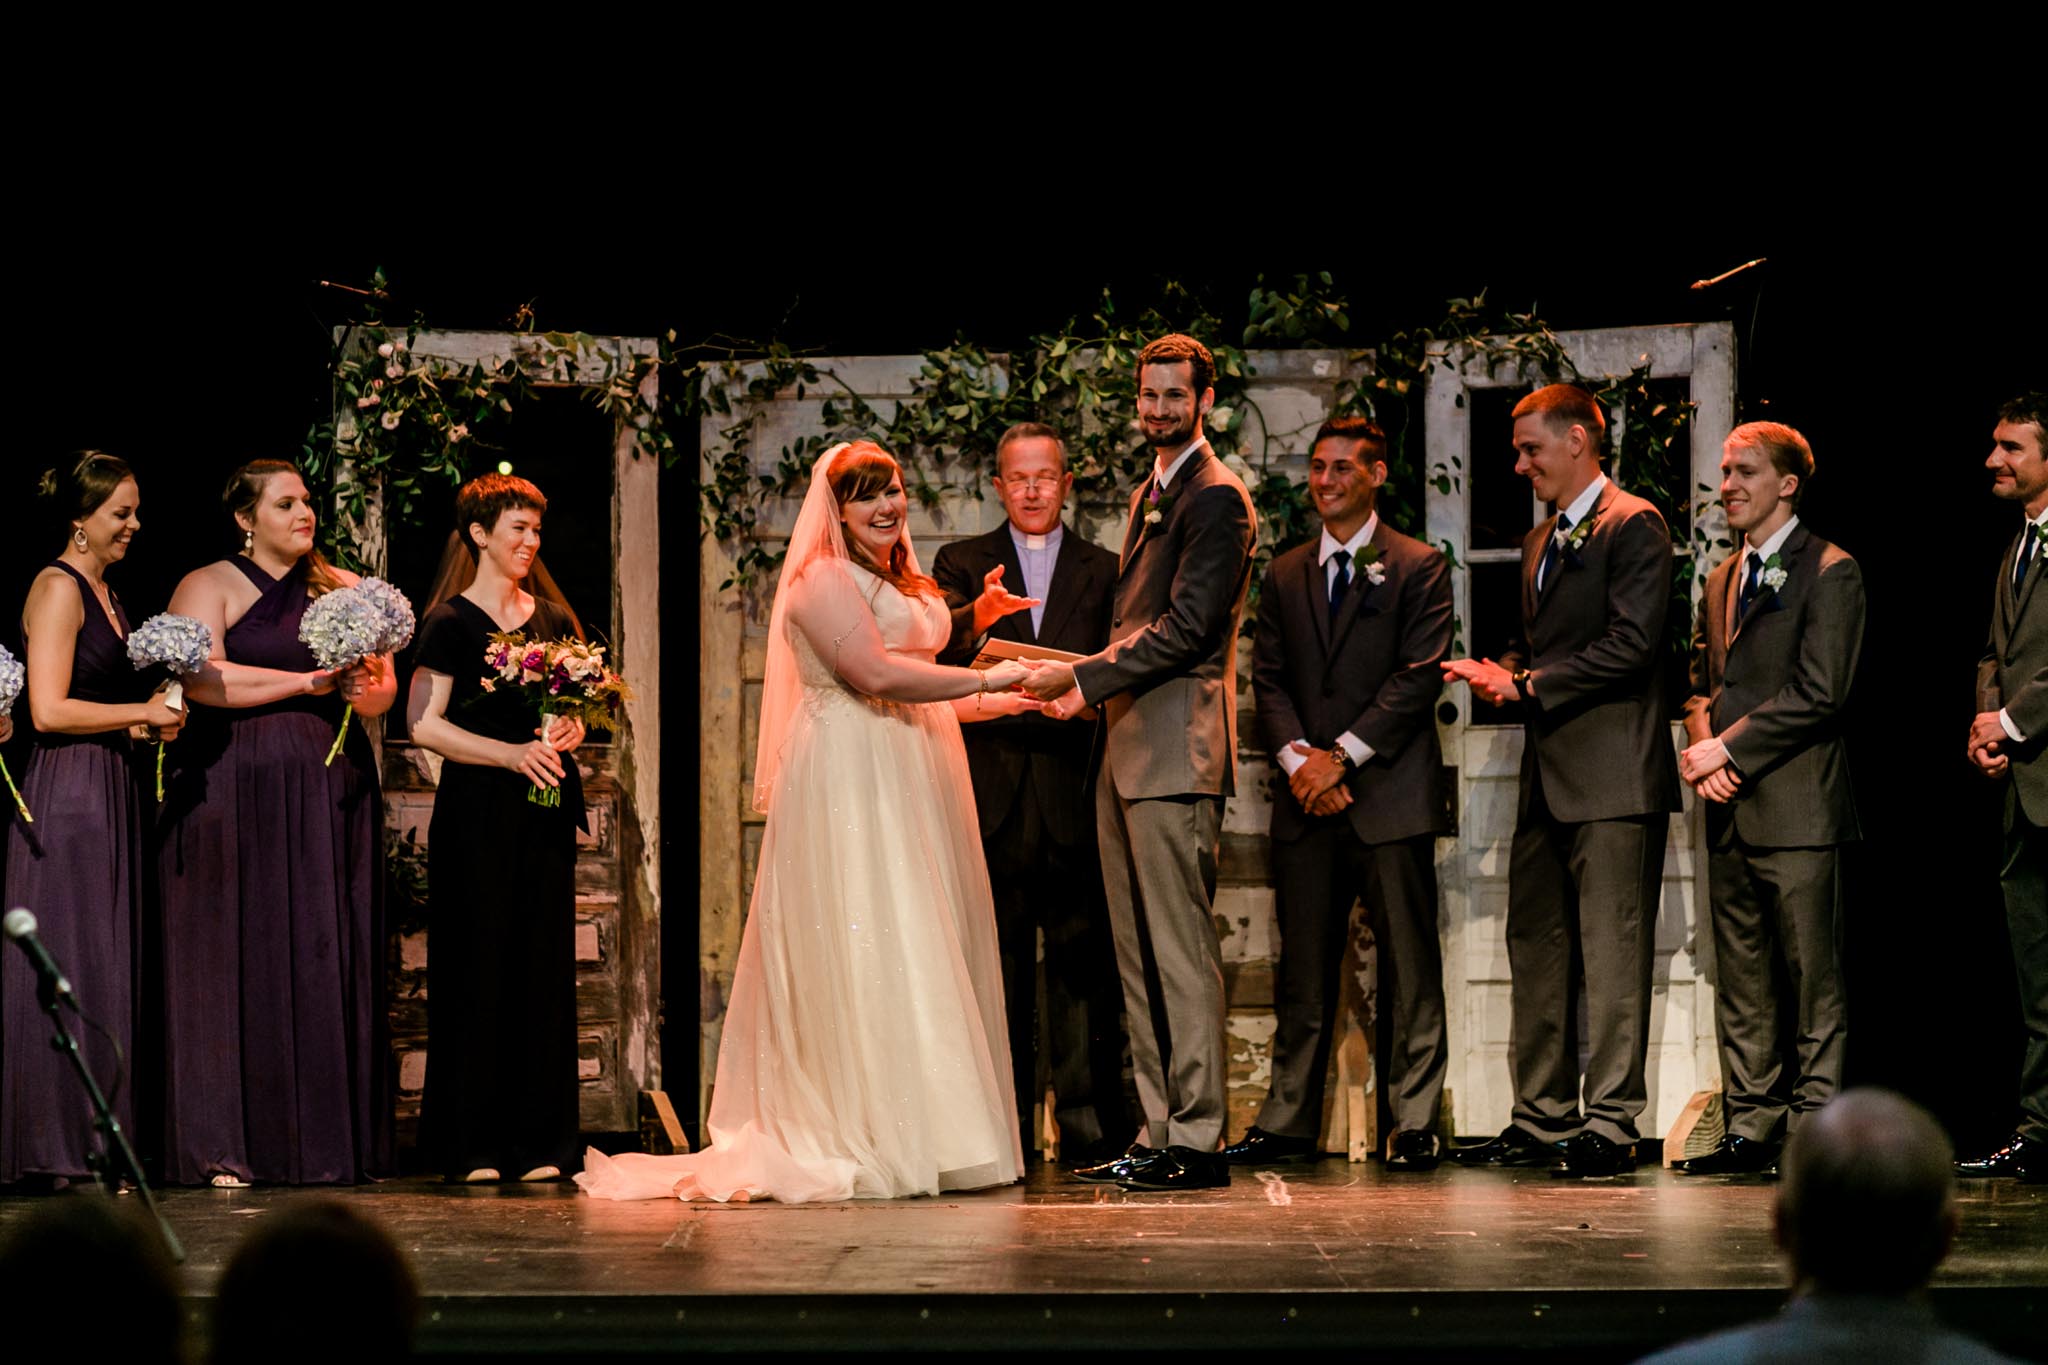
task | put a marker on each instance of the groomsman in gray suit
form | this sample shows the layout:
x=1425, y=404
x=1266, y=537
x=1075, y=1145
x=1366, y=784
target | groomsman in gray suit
x=1598, y=784
x=1780, y=630
x=1167, y=686
x=1353, y=630
x=2009, y=742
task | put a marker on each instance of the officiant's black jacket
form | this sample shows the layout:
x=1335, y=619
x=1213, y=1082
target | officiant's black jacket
x=1050, y=757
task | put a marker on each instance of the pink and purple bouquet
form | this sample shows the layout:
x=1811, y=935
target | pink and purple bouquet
x=559, y=678
x=348, y=625
x=177, y=643
x=12, y=676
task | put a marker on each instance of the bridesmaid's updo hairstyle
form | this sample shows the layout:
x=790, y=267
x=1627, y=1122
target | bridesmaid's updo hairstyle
x=80, y=484
x=480, y=502
x=245, y=490
x=861, y=471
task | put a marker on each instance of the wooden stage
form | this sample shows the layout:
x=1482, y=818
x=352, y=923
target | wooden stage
x=1453, y=1265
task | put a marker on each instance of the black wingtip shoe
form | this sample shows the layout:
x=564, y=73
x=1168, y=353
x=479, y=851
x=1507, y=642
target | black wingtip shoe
x=1589, y=1155
x=2022, y=1156
x=1734, y=1156
x=1260, y=1148
x=1179, y=1168
x=1514, y=1147
x=1411, y=1149
x=1135, y=1157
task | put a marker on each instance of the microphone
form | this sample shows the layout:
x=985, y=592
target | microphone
x=20, y=926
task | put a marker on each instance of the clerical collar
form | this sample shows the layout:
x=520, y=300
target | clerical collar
x=1025, y=541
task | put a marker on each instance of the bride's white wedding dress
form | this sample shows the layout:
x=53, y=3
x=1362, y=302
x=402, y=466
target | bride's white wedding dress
x=864, y=1053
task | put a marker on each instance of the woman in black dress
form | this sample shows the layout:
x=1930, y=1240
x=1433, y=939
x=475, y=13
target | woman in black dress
x=501, y=870
x=271, y=866
x=78, y=867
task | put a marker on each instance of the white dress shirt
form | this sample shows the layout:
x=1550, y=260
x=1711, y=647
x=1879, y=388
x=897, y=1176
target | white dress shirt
x=1760, y=553
x=1290, y=757
x=1163, y=469
x=2040, y=553
x=1581, y=507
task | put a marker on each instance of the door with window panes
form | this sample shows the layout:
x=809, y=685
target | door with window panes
x=1479, y=511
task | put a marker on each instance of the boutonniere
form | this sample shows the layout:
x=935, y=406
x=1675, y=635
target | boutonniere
x=1369, y=563
x=1160, y=505
x=1773, y=576
x=1574, y=540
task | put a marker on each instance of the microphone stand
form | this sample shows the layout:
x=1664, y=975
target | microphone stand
x=122, y=1155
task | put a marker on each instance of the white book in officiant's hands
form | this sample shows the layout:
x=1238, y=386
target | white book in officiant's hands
x=995, y=651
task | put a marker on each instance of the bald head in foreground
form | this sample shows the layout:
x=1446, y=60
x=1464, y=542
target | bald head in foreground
x=1865, y=1213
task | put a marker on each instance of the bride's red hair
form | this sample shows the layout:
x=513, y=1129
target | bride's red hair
x=865, y=470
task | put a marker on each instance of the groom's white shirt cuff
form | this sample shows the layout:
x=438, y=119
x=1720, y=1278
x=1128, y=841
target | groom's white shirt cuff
x=2005, y=719
x=1290, y=758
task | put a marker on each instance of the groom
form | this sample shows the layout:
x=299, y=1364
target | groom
x=1167, y=685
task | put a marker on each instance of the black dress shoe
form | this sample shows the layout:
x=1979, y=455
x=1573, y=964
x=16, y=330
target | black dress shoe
x=1260, y=1148
x=1179, y=1168
x=1411, y=1149
x=1734, y=1156
x=2022, y=1156
x=1514, y=1147
x=1135, y=1156
x=1589, y=1154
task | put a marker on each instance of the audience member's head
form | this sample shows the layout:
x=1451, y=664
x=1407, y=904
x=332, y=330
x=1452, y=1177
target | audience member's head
x=316, y=1281
x=80, y=1259
x=1867, y=1204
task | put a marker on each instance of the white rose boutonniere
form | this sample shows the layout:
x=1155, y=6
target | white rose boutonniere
x=1574, y=540
x=1369, y=565
x=1773, y=576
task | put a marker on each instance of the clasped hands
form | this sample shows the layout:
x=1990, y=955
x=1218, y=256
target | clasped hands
x=1053, y=684
x=1705, y=767
x=1488, y=680
x=1318, y=780
x=1987, y=743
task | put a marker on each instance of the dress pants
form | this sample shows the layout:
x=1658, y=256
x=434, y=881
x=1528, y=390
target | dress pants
x=1316, y=878
x=1772, y=904
x=1582, y=917
x=2024, y=879
x=1159, y=872
x=1041, y=884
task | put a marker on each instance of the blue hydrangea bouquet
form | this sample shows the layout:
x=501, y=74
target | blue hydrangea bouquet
x=179, y=644
x=348, y=625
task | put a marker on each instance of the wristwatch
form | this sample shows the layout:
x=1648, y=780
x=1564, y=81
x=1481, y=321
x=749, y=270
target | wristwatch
x=1340, y=756
x=1520, y=678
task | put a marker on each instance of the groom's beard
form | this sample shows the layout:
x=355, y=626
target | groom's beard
x=1175, y=439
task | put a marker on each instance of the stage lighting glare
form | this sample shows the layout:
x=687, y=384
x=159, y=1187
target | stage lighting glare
x=504, y=466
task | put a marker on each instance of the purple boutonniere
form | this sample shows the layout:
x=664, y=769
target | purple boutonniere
x=1159, y=506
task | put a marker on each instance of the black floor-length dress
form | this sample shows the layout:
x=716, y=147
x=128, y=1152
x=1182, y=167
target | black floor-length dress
x=501, y=928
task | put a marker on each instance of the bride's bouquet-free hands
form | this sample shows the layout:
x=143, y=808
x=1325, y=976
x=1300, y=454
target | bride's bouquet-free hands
x=559, y=678
x=344, y=627
x=179, y=644
x=12, y=676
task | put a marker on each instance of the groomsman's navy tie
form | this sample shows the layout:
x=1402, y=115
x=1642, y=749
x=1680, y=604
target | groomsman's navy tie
x=1548, y=564
x=1749, y=583
x=2026, y=556
x=1340, y=583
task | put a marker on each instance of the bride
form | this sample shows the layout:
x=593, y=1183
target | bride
x=864, y=1054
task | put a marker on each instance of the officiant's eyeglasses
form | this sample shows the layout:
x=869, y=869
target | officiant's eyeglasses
x=1026, y=485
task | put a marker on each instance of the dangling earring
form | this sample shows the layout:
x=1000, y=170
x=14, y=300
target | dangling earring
x=248, y=542
x=78, y=537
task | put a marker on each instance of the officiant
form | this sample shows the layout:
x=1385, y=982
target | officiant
x=1032, y=789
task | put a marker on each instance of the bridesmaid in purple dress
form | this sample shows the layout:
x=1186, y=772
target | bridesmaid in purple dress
x=78, y=867
x=271, y=869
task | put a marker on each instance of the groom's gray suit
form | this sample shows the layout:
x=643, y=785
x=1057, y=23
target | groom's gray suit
x=1167, y=686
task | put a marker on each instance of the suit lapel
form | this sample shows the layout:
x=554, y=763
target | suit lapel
x=1532, y=555
x=1133, y=527
x=2026, y=589
x=1315, y=588
x=1788, y=560
x=1362, y=587
x=1720, y=614
x=1018, y=623
x=1183, y=481
x=1064, y=588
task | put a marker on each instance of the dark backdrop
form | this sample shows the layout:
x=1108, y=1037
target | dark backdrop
x=169, y=315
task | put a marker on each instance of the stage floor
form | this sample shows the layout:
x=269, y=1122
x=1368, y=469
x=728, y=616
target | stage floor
x=1322, y=1256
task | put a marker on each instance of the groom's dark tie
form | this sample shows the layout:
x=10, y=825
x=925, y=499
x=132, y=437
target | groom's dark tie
x=1749, y=585
x=1340, y=583
x=1548, y=565
x=2025, y=559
